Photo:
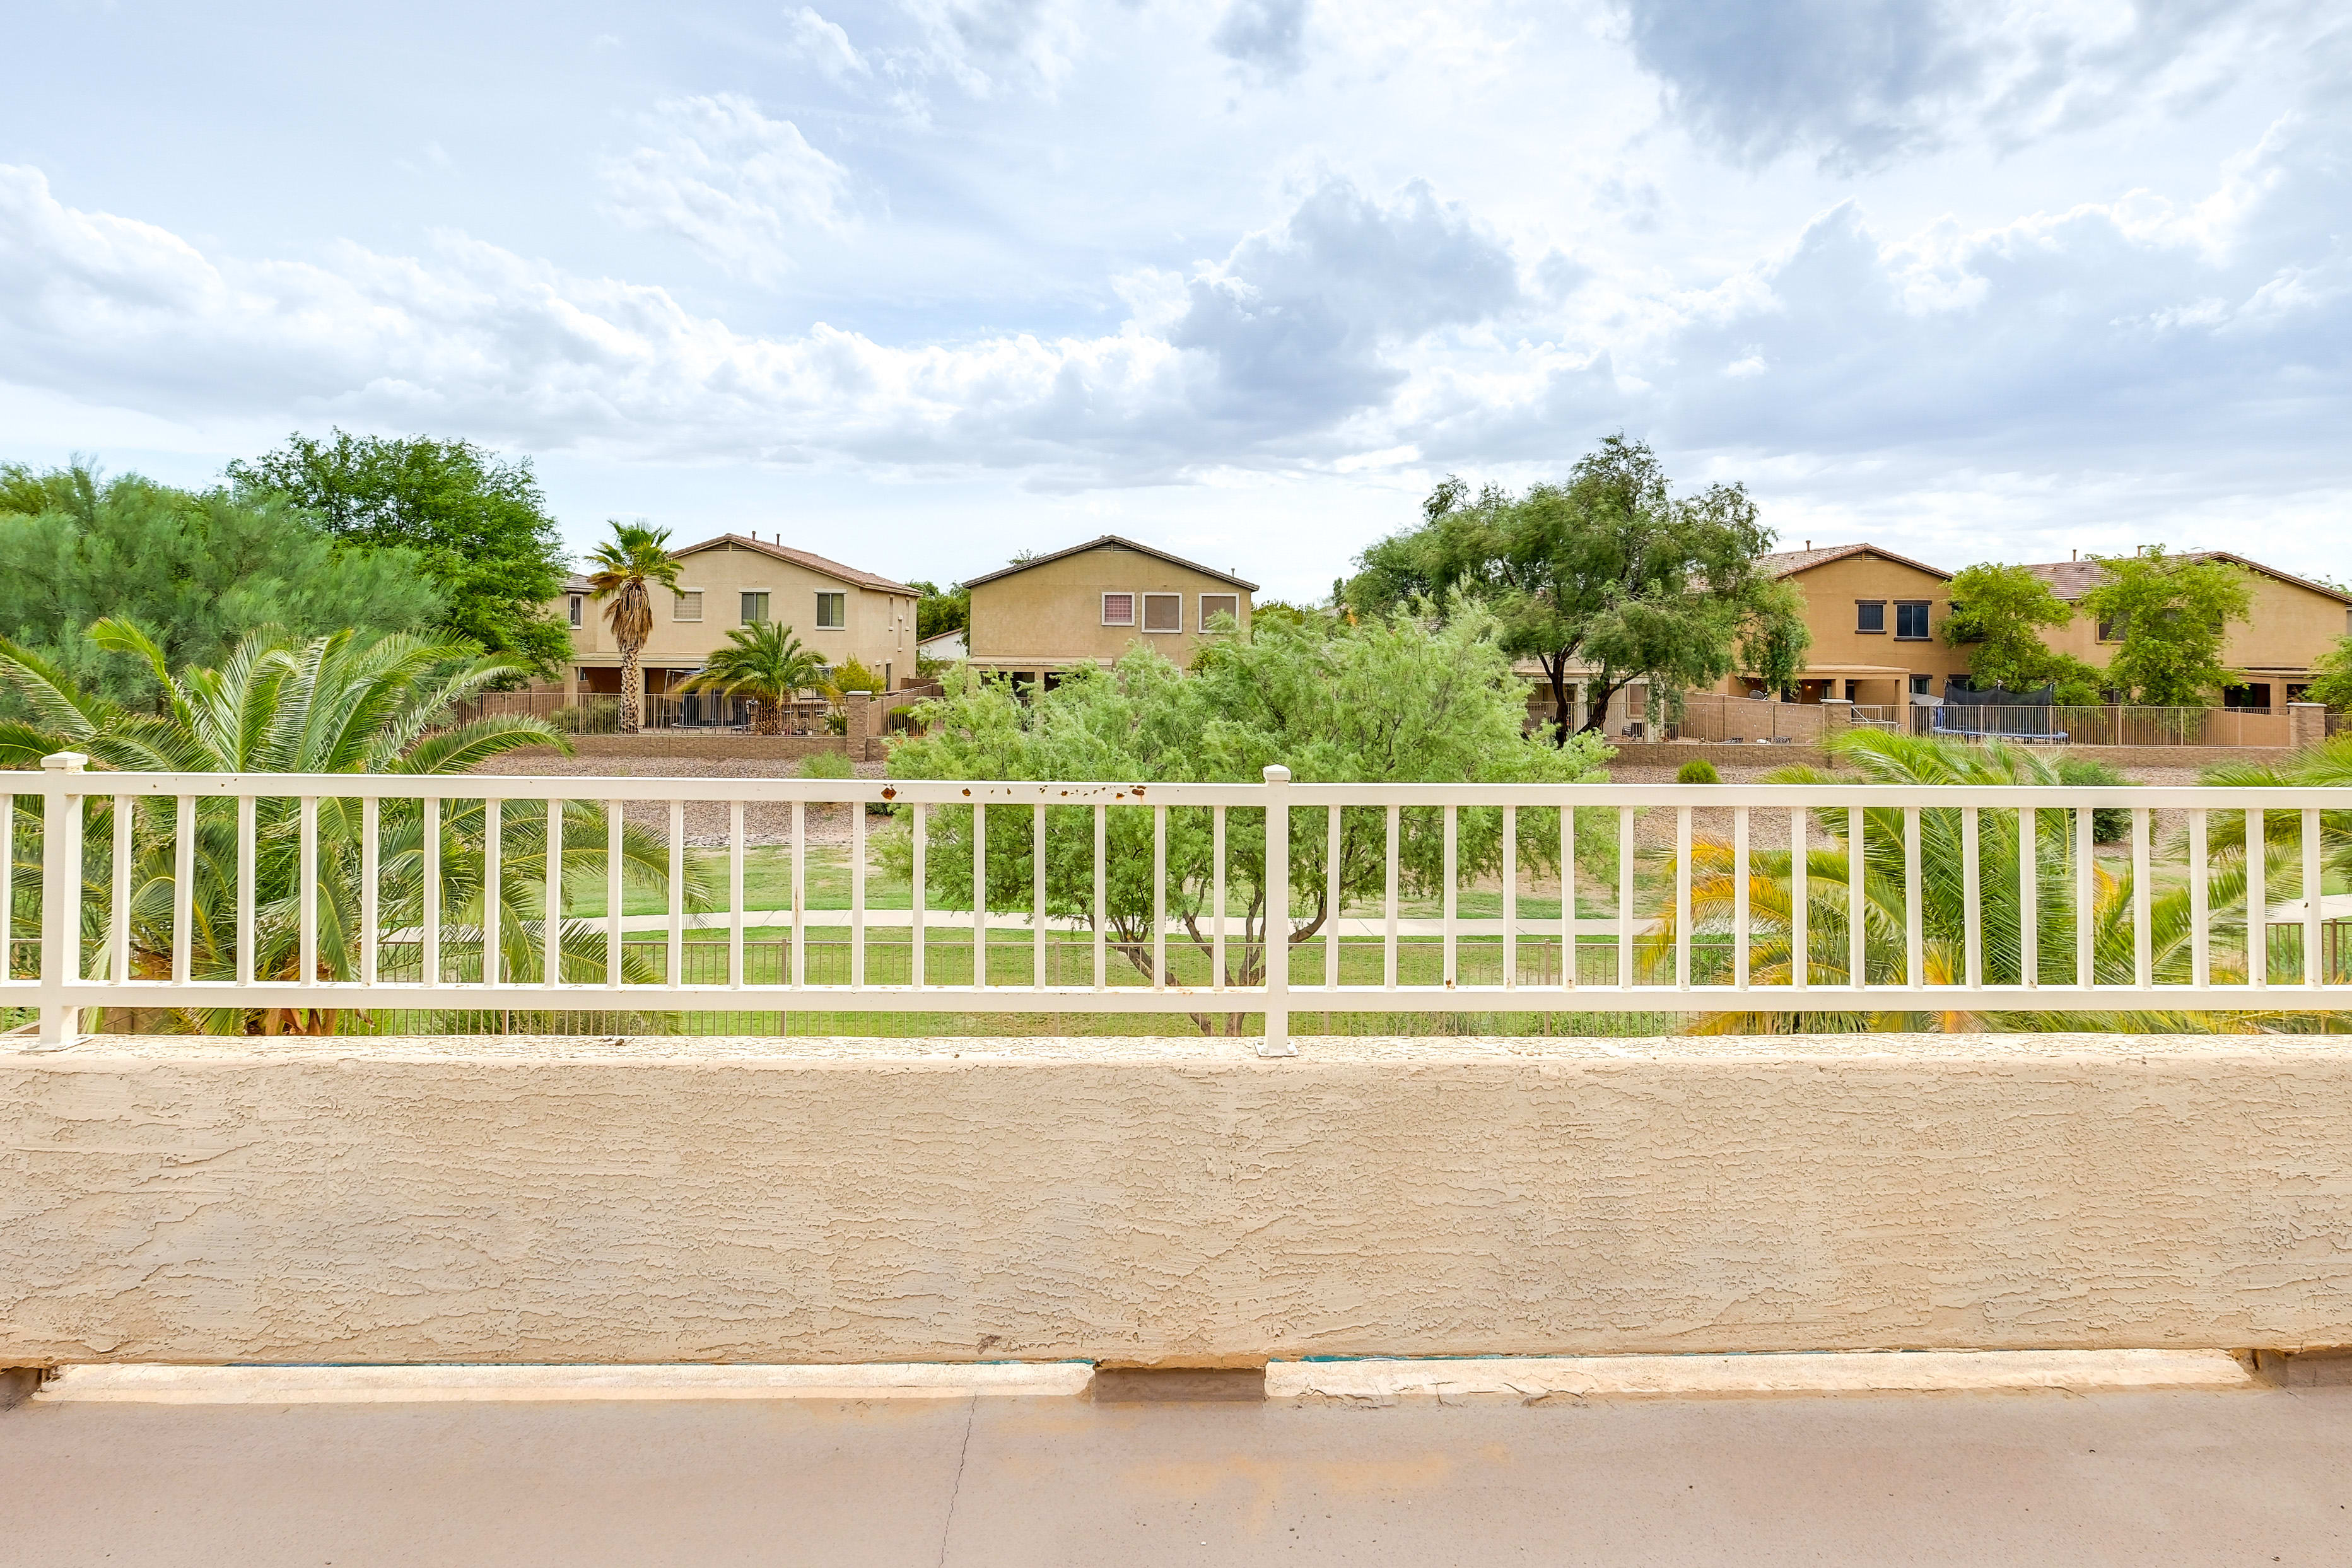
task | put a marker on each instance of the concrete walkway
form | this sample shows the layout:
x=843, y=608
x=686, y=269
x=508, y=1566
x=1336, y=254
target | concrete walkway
x=2202, y=1477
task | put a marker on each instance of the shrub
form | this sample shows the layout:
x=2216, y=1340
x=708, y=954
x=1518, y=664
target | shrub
x=1698, y=770
x=2109, y=824
x=828, y=765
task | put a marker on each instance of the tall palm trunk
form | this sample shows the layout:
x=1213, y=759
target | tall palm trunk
x=630, y=706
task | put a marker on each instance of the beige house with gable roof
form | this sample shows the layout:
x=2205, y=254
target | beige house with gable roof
x=838, y=612
x=1089, y=604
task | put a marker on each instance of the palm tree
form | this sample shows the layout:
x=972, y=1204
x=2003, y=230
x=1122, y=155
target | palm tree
x=765, y=663
x=344, y=703
x=1775, y=883
x=626, y=566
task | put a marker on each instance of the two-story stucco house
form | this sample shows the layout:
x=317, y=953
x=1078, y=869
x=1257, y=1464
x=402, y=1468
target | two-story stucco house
x=1088, y=604
x=838, y=612
x=1876, y=620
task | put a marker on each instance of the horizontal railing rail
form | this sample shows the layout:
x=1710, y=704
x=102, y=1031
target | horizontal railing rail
x=216, y=891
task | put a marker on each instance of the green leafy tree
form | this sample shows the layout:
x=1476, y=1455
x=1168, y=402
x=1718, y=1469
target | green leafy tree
x=198, y=570
x=2174, y=613
x=346, y=703
x=625, y=569
x=1610, y=571
x=941, y=610
x=477, y=521
x=765, y=664
x=1999, y=614
x=1391, y=699
x=2332, y=677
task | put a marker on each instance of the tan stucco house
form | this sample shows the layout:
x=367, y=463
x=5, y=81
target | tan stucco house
x=840, y=612
x=1876, y=620
x=2293, y=622
x=1088, y=604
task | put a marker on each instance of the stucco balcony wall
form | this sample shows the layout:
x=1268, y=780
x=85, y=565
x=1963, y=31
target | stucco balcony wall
x=1176, y=1201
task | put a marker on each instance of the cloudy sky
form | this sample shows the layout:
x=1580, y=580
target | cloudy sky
x=921, y=282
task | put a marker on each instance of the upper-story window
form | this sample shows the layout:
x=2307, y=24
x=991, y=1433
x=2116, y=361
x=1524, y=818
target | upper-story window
x=687, y=605
x=1119, y=609
x=1870, y=615
x=755, y=609
x=1216, y=605
x=1163, y=612
x=2111, y=628
x=832, y=611
x=579, y=611
x=1911, y=620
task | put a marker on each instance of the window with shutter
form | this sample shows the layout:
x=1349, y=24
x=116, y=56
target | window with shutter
x=1163, y=612
x=1216, y=605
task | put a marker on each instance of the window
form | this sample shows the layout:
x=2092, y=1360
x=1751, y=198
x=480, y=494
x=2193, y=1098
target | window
x=2111, y=628
x=1919, y=685
x=687, y=605
x=1163, y=612
x=1119, y=609
x=1216, y=605
x=1870, y=615
x=579, y=608
x=755, y=609
x=1911, y=620
x=832, y=611
x=2253, y=694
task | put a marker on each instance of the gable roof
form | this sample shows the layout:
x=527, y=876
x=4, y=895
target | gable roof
x=1789, y=562
x=1113, y=540
x=2070, y=580
x=809, y=558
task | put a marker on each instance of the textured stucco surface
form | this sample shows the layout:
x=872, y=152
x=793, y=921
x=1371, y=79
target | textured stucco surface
x=1177, y=1199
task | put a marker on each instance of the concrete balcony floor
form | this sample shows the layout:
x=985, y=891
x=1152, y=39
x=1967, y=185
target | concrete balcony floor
x=2253, y=1476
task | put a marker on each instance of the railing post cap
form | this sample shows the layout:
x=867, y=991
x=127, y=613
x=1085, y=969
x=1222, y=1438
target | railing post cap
x=66, y=762
x=1276, y=774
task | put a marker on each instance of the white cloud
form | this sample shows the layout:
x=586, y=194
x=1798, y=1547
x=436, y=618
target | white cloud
x=743, y=189
x=827, y=43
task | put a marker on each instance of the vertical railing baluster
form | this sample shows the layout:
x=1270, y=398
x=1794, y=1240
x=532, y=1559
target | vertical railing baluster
x=1449, y=968
x=493, y=889
x=735, y=893
x=979, y=894
x=1568, y=897
x=1972, y=900
x=8, y=892
x=246, y=814
x=1510, y=897
x=674, y=957
x=183, y=888
x=2029, y=900
x=2143, y=903
x=1800, y=901
x=1915, y=941
x=2258, y=898
x=856, y=895
x=2085, y=899
x=371, y=888
x=1274, y=929
x=614, y=812
x=551, y=917
x=800, y=894
x=1857, y=907
x=1217, y=881
x=117, y=914
x=917, y=898
x=1160, y=898
x=1037, y=976
x=1331, y=896
x=2201, y=895
x=305, y=884
x=2313, y=885
x=1625, y=898
x=1102, y=896
x=1389, y=895
x=1739, y=958
x=61, y=890
x=1682, y=897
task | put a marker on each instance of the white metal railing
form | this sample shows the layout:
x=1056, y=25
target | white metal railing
x=413, y=900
